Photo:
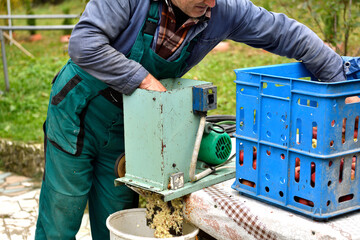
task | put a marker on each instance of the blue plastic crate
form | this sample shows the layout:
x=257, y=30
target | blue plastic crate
x=291, y=148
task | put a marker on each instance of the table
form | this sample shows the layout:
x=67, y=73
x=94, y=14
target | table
x=224, y=213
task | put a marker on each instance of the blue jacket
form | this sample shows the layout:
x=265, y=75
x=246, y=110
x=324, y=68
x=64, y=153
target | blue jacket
x=108, y=28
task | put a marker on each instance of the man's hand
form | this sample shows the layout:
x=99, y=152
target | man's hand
x=151, y=83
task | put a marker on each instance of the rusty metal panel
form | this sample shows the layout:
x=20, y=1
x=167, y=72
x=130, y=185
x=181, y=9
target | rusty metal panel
x=160, y=131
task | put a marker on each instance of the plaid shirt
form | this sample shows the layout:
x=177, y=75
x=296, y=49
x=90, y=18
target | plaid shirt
x=169, y=38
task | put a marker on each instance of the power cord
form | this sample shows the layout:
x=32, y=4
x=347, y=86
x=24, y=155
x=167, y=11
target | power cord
x=225, y=122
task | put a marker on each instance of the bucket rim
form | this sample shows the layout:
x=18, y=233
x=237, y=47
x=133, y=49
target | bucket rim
x=132, y=237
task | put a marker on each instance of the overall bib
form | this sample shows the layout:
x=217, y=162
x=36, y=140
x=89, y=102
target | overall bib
x=84, y=135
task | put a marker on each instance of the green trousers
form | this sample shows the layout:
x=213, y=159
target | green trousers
x=84, y=136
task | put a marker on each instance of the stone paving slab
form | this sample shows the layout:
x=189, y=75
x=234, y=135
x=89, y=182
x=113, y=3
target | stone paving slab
x=14, y=185
x=19, y=203
x=4, y=175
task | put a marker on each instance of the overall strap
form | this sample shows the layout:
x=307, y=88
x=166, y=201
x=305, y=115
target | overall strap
x=152, y=19
x=146, y=33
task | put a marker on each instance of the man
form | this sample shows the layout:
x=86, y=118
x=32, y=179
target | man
x=119, y=46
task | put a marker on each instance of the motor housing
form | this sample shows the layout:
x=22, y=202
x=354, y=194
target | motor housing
x=215, y=147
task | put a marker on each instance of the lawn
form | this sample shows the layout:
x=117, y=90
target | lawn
x=23, y=108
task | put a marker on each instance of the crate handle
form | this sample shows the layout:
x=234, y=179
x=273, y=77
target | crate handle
x=275, y=89
x=304, y=201
x=346, y=198
x=308, y=102
x=247, y=182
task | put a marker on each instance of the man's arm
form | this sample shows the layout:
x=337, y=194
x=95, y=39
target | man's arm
x=281, y=35
x=90, y=48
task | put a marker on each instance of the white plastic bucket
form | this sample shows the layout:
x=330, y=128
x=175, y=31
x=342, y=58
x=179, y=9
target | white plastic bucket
x=131, y=225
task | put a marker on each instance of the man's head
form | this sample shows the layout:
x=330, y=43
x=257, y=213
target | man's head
x=194, y=8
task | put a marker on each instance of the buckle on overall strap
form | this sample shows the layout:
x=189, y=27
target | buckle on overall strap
x=150, y=26
x=152, y=18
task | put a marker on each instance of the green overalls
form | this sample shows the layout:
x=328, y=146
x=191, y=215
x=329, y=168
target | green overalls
x=84, y=135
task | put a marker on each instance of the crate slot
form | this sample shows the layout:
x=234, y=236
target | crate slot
x=268, y=134
x=241, y=155
x=297, y=170
x=330, y=182
x=247, y=182
x=304, y=201
x=312, y=169
x=333, y=123
x=352, y=100
x=268, y=152
x=241, y=118
x=343, y=131
x=353, y=167
x=341, y=170
x=356, y=128
x=346, y=198
x=254, y=158
x=314, y=135
x=267, y=177
x=275, y=89
x=308, y=103
x=248, y=90
x=255, y=122
x=298, y=131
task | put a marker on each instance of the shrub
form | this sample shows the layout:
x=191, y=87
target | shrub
x=29, y=11
x=336, y=20
x=38, y=2
x=67, y=21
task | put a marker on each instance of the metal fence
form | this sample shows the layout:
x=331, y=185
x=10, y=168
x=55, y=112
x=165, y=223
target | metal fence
x=16, y=28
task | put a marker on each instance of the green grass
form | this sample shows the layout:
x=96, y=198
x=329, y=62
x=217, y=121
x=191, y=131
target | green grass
x=218, y=68
x=23, y=108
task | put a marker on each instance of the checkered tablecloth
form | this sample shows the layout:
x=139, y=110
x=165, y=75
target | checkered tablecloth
x=224, y=214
